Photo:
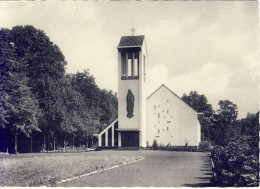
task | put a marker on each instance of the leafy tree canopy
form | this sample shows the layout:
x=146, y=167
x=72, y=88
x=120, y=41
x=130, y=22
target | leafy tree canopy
x=198, y=102
x=201, y=105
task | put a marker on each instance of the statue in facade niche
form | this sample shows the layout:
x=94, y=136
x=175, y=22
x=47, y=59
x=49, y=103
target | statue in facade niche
x=130, y=103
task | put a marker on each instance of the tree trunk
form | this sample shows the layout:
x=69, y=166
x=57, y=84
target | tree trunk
x=15, y=142
x=38, y=145
x=64, y=147
x=31, y=142
x=92, y=142
x=54, y=143
x=87, y=142
x=73, y=142
x=48, y=142
x=44, y=143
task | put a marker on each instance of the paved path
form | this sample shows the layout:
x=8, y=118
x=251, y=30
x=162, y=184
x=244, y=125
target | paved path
x=158, y=169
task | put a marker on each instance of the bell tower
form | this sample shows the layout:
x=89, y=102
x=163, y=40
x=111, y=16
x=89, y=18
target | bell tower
x=132, y=62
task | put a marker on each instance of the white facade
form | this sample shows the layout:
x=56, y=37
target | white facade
x=163, y=116
x=170, y=120
x=137, y=86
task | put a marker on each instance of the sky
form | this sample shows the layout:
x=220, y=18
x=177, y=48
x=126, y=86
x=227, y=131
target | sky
x=208, y=47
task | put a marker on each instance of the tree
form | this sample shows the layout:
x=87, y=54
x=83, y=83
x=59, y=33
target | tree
x=36, y=95
x=200, y=104
x=100, y=105
x=41, y=55
x=24, y=109
x=224, y=123
x=19, y=108
x=250, y=129
x=6, y=59
x=45, y=66
x=227, y=111
x=77, y=117
x=108, y=105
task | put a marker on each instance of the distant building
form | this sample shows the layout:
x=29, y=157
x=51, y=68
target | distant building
x=163, y=116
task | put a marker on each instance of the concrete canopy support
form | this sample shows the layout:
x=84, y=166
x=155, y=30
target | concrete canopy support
x=119, y=139
x=113, y=135
x=99, y=140
x=105, y=131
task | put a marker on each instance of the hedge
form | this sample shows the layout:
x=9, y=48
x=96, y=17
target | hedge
x=235, y=165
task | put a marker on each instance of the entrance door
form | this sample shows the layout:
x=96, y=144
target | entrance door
x=130, y=139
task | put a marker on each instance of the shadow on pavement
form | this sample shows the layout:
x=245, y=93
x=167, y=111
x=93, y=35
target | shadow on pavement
x=208, y=170
x=206, y=178
x=203, y=178
x=199, y=185
x=211, y=174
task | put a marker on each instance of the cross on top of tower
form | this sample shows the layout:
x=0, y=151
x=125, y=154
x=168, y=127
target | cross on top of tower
x=133, y=31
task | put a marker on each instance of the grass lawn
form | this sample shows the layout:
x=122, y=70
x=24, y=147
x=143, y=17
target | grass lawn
x=39, y=169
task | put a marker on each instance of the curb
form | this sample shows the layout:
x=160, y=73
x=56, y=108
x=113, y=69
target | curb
x=95, y=172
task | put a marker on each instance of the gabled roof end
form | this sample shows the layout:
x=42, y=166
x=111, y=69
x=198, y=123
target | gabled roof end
x=172, y=93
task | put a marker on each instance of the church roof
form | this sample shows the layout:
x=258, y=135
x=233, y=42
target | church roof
x=127, y=41
x=172, y=93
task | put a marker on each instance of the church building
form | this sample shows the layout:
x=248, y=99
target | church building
x=162, y=116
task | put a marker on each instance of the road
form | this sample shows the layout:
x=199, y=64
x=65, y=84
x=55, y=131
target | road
x=158, y=169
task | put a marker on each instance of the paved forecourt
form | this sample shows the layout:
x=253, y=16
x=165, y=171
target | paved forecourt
x=158, y=169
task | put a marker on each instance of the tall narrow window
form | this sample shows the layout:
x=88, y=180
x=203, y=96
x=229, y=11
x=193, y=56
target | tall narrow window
x=129, y=64
x=136, y=64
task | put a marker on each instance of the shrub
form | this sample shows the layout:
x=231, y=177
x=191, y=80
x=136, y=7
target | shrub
x=168, y=147
x=162, y=147
x=155, y=145
x=235, y=165
x=204, y=146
